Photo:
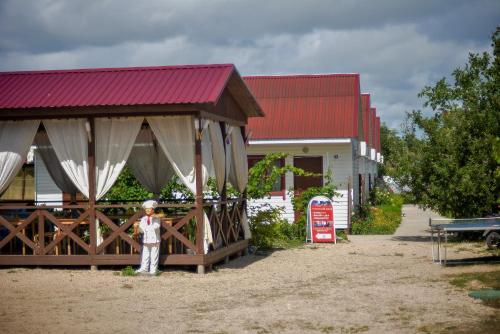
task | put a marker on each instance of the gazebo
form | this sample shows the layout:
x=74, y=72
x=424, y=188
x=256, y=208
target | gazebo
x=88, y=124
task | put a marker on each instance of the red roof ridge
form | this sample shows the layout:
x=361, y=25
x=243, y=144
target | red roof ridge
x=117, y=69
x=286, y=76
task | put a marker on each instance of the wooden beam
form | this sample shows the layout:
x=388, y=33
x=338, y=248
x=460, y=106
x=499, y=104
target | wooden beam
x=103, y=111
x=199, y=192
x=123, y=259
x=15, y=231
x=118, y=231
x=92, y=188
x=218, y=255
x=41, y=233
x=220, y=118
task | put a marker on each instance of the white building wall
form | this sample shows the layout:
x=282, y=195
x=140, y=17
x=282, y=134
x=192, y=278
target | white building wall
x=355, y=172
x=336, y=157
x=46, y=191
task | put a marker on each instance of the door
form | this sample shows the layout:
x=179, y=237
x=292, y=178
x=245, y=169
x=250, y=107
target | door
x=301, y=183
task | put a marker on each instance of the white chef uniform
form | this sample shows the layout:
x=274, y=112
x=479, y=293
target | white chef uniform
x=151, y=243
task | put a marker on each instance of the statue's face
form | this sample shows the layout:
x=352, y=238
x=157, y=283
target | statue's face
x=149, y=211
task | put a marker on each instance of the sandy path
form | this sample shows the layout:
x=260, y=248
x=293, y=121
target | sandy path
x=374, y=284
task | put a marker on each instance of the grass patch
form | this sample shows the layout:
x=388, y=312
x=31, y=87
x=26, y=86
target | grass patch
x=128, y=271
x=478, y=284
x=468, y=280
x=486, y=325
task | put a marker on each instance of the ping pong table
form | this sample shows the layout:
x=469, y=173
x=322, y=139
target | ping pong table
x=442, y=227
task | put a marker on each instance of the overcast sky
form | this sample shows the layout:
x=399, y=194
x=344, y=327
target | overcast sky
x=397, y=46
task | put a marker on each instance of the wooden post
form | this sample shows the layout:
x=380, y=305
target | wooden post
x=244, y=202
x=92, y=187
x=223, y=195
x=199, y=194
x=41, y=233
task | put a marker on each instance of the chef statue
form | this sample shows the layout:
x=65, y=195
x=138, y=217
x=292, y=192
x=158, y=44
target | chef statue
x=149, y=226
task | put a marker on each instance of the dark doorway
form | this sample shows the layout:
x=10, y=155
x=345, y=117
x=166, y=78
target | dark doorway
x=301, y=183
x=362, y=195
x=309, y=164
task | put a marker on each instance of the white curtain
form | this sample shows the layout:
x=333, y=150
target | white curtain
x=114, y=140
x=148, y=163
x=16, y=138
x=239, y=164
x=70, y=142
x=49, y=157
x=206, y=155
x=239, y=171
x=176, y=136
x=218, y=153
x=246, y=227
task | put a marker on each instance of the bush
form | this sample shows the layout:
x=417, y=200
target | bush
x=383, y=218
x=269, y=230
x=128, y=271
x=301, y=202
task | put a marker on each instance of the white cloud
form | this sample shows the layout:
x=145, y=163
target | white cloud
x=390, y=43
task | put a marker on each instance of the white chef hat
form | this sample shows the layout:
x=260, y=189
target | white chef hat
x=151, y=204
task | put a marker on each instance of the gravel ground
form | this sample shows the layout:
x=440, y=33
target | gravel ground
x=373, y=284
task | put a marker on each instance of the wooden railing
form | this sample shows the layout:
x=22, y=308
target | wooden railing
x=32, y=234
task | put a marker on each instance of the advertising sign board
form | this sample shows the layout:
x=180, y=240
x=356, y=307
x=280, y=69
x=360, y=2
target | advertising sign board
x=320, y=220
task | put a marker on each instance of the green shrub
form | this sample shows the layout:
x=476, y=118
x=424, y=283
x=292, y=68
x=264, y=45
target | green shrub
x=383, y=218
x=301, y=202
x=269, y=230
x=128, y=271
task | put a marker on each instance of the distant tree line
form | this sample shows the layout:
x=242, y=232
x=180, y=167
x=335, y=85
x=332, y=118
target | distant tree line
x=450, y=161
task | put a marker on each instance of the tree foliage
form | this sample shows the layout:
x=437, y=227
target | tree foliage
x=264, y=174
x=452, y=166
x=127, y=188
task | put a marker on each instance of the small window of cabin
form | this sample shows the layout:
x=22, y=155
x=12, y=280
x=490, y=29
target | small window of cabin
x=279, y=185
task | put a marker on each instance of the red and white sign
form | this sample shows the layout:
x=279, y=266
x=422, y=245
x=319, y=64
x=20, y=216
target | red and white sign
x=320, y=221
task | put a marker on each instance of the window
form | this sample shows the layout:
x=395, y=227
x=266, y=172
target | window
x=23, y=185
x=279, y=185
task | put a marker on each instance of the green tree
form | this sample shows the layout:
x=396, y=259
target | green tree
x=127, y=188
x=453, y=167
x=393, y=149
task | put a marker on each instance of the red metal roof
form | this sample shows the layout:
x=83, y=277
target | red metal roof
x=306, y=106
x=365, y=105
x=114, y=86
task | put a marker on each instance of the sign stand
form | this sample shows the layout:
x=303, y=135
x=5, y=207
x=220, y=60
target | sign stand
x=320, y=222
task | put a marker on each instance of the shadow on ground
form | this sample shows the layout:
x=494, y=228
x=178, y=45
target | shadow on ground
x=409, y=238
x=243, y=261
x=473, y=261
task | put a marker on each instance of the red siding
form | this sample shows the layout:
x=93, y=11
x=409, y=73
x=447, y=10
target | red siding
x=114, y=86
x=306, y=106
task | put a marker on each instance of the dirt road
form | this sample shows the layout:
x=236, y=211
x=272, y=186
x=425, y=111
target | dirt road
x=373, y=284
